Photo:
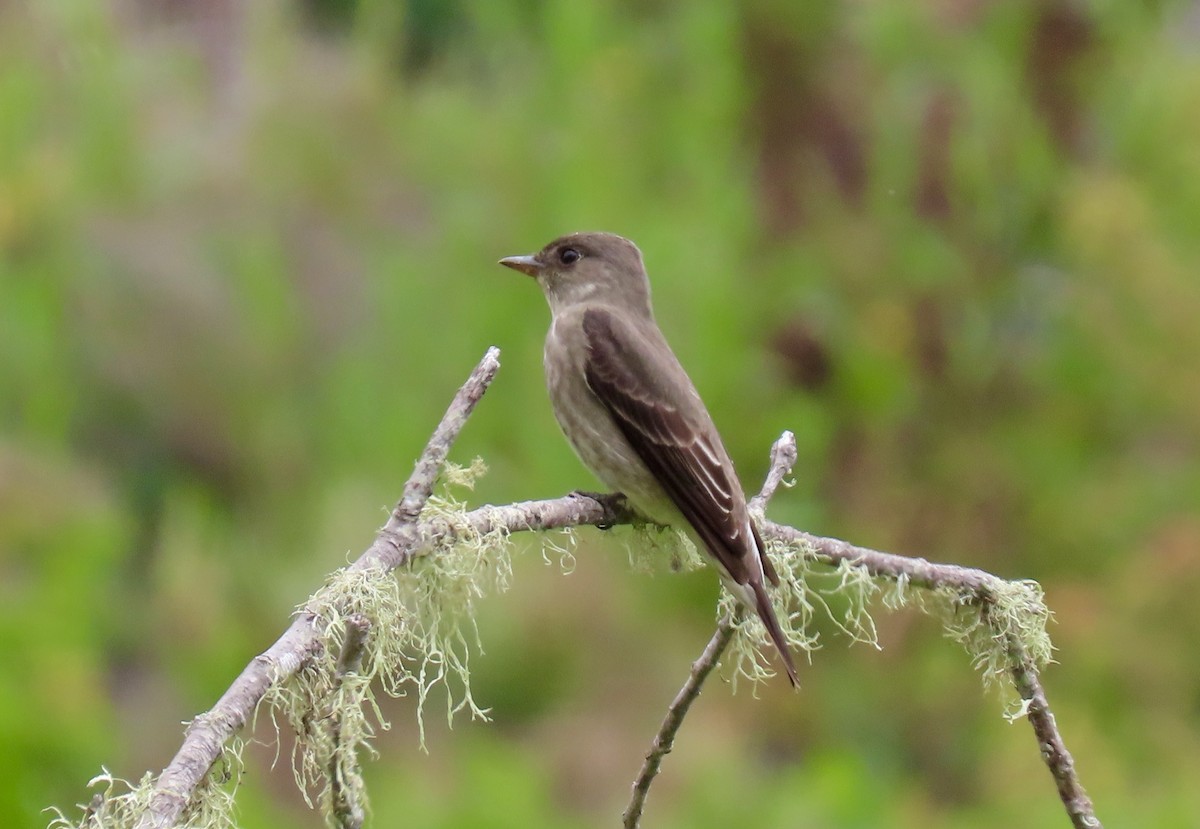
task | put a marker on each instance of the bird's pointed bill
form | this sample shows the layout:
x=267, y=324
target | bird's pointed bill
x=528, y=265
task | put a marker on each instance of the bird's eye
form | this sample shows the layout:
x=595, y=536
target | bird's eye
x=569, y=256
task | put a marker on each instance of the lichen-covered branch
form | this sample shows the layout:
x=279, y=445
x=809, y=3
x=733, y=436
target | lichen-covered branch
x=208, y=733
x=343, y=768
x=971, y=586
x=412, y=530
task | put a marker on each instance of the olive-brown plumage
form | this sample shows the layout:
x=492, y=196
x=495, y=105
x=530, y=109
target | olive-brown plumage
x=632, y=414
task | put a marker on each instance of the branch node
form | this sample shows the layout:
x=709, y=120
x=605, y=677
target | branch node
x=353, y=645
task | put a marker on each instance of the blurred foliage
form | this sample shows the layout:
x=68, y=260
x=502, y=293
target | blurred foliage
x=246, y=256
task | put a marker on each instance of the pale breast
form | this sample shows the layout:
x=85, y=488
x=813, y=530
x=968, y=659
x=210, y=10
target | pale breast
x=592, y=433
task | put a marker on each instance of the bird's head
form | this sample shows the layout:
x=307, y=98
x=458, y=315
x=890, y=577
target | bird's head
x=585, y=268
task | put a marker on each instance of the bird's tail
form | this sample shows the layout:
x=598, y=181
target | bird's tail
x=762, y=604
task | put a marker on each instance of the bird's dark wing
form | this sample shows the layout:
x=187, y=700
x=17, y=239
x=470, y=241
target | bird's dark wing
x=656, y=408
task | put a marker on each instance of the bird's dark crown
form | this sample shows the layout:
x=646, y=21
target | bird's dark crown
x=589, y=268
x=615, y=251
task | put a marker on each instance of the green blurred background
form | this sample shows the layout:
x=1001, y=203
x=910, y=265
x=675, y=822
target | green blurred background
x=247, y=254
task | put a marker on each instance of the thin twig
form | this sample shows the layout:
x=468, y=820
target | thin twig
x=783, y=458
x=209, y=732
x=1053, y=749
x=425, y=473
x=916, y=571
x=664, y=740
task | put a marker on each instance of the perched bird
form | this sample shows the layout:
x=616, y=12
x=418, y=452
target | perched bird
x=634, y=417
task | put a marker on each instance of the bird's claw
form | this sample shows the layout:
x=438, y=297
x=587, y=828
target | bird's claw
x=602, y=497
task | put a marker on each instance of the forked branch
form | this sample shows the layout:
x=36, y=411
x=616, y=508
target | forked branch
x=972, y=586
x=408, y=533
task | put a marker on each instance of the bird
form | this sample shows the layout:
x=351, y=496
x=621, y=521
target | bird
x=633, y=416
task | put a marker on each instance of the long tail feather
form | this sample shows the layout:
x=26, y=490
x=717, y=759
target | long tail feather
x=767, y=613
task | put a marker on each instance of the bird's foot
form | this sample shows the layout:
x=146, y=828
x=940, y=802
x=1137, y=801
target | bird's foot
x=606, y=498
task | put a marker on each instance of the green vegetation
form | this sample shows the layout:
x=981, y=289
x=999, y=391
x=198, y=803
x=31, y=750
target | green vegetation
x=246, y=261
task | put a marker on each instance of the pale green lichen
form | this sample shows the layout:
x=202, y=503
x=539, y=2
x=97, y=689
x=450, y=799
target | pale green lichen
x=797, y=605
x=1011, y=620
x=333, y=717
x=1007, y=625
x=120, y=804
x=419, y=632
x=563, y=551
x=653, y=548
x=116, y=805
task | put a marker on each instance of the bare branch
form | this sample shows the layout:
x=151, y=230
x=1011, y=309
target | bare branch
x=420, y=483
x=1053, y=749
x=664, y=740
x=783, y=458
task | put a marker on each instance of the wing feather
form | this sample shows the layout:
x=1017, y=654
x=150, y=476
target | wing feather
x=653, y=405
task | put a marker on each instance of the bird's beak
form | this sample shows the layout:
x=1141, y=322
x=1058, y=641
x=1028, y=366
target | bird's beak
x=528, y=265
